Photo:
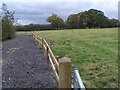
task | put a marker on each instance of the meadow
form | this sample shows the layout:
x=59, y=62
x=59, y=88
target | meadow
x=93, y=51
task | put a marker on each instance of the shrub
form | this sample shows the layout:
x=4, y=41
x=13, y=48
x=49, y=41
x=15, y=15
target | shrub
x=8, y=30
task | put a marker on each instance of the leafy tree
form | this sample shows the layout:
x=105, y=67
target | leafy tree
x=56, y=21
x=83, y=19
x=93, y=18
x=113, y=23
x=100, y=19
x=7, y=15
x=90, y=19
x=8, y=20
x=72, y=21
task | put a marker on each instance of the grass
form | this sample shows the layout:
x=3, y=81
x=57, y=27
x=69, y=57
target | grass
x=93, y=51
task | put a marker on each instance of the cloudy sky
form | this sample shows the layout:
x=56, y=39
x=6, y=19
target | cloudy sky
x=36, y=11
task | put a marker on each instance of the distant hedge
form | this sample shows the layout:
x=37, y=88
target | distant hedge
x=34, y=27
x=8, y=30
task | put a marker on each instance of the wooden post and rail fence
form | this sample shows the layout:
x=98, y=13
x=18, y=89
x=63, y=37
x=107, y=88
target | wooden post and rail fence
x=61, y=67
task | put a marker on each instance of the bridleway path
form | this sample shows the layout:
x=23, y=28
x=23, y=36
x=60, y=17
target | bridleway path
x=23, y=64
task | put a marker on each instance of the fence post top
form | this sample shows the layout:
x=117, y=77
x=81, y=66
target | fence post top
x=64, y=60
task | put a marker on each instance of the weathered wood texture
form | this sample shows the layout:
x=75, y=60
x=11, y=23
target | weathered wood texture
x=65, y=72
x=61, y=67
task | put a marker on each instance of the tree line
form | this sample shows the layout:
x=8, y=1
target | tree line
x=88, y=19
x=91, y=19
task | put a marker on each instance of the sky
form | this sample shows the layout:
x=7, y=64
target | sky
x=37, y=11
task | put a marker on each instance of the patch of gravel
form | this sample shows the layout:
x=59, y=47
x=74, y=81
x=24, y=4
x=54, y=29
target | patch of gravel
x=24, y=66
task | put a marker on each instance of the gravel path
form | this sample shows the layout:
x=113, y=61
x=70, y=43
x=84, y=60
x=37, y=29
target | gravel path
x=24, y=65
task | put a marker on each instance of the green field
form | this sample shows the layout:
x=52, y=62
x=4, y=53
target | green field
x=93, y=51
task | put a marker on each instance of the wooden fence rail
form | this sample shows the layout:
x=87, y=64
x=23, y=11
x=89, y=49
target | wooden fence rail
x=61, y=67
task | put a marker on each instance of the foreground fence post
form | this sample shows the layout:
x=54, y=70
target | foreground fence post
x=33, y=36
x=65, y=72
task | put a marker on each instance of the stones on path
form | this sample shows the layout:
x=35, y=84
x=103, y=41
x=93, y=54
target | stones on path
x=24, y=65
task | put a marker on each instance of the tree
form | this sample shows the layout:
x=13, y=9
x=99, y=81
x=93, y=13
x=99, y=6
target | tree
x=8, y=20
x=56, y=21
x=92, y=18
x=83, y=19
x=7, y=15
x=72, y=21
x=113, y=23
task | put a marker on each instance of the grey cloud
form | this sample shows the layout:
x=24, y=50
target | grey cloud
x=119, y=10
x=38, y=12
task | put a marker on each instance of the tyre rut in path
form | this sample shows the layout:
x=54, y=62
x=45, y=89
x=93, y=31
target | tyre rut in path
x=23, y=65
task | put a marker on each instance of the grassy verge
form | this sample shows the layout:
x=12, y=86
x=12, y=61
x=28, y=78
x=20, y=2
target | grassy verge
x=93, y=51
x=25, y=32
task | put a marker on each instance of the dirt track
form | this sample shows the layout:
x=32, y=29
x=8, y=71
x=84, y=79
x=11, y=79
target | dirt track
x=24, y=65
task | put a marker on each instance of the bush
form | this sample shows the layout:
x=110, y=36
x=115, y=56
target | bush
x=8, y=31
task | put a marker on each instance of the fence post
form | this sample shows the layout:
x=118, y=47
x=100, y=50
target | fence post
x=57, y=57
x=42, y=42
x=47, y=58
x=39, y=44
x=65, y=72
x=33, y=36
